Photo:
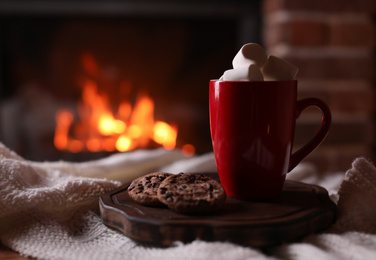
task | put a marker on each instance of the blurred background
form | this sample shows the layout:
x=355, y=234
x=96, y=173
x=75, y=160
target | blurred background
x=133, y=64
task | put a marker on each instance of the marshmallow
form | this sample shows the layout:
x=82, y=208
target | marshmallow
x=245, y=73
x=278, y=69
x=250, y=53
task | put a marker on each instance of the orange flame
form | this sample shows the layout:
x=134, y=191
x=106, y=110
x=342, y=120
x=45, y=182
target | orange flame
x=100, y=130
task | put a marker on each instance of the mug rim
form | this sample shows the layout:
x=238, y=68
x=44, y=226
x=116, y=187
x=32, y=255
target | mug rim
x=217, y=80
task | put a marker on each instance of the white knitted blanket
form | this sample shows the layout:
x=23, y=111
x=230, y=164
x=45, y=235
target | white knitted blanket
x=49, y=210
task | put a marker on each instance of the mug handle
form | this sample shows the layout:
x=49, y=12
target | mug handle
x=299, y=155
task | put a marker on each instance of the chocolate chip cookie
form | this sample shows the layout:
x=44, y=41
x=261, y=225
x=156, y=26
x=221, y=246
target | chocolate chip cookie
x=190, y=193
x=144, y=189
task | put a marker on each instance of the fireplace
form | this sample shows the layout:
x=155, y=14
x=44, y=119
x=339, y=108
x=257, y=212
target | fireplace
x=166, y=51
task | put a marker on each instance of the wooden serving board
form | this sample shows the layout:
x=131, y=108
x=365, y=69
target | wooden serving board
x=300, y=210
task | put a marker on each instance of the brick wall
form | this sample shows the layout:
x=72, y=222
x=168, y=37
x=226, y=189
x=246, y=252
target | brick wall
x=333, y=44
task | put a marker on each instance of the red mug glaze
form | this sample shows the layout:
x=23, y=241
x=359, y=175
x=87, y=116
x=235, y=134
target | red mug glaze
x=252, y=127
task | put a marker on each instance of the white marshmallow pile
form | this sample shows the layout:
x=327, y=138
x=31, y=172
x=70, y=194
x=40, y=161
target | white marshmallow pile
x=252, y=64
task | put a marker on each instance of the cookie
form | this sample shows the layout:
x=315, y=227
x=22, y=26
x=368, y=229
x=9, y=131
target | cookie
x=144, y=189
x=190, y=193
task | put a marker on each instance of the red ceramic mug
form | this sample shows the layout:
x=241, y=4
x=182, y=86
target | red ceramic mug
x=252, y=127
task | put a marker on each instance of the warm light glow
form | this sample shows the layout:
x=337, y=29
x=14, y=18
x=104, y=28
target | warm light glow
x=165, y=135
x=188, y=150
x=123, y=143
x=125, y=110
x=134, y=131
x=64, y=119
x=75, y=146
x=93, y=145
x=119, y=127
x=109, y=144
x=107, y=125
x=98, y=128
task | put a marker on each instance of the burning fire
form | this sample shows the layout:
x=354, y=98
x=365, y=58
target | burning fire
x=101, y=130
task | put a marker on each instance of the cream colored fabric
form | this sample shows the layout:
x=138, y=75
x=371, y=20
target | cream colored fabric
x=50, y=211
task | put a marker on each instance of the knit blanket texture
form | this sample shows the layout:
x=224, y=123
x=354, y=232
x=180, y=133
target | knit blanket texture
x=49, y=210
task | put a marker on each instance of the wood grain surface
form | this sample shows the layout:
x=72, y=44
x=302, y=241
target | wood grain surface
x=300, y=210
